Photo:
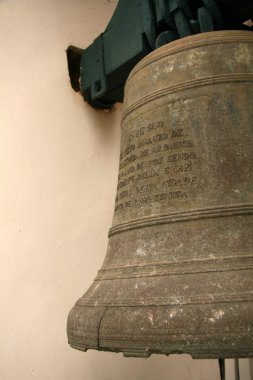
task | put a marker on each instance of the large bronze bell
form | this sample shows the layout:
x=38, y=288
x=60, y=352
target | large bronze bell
x=178, y=273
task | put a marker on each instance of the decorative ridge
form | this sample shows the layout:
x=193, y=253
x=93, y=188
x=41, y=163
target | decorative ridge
x=176, y=301
x=174, y=263
x=195, y=41
x=181, y=268
x=185, y=215
x=200, y=82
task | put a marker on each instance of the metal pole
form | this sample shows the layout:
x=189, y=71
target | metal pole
x=222, y=368
x=237, y=370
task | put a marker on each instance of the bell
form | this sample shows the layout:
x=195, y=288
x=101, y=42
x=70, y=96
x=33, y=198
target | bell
x=178, y=273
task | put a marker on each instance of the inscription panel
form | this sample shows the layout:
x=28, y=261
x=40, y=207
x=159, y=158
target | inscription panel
x=159, y=167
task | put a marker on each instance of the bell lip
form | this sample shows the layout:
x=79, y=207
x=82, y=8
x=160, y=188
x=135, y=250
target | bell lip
x=189, y=42
x=87, y=339
x=148, y=353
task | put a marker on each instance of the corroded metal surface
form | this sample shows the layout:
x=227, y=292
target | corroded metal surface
x=178, y=273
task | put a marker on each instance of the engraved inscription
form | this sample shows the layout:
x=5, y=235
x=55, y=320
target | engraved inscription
x=182, y=181
x=178, y=144
x=182, y=156
x=177, y=133
x=170, y=195
x=157, y=164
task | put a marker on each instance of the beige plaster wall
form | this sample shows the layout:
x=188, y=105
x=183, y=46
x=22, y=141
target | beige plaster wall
x=58, y=171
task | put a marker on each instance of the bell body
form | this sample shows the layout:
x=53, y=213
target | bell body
x=178, y=273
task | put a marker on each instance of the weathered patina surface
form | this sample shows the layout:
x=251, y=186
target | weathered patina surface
x=178, y=273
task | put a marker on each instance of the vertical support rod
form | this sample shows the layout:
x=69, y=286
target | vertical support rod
x=222, y=368
x=237, y=370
